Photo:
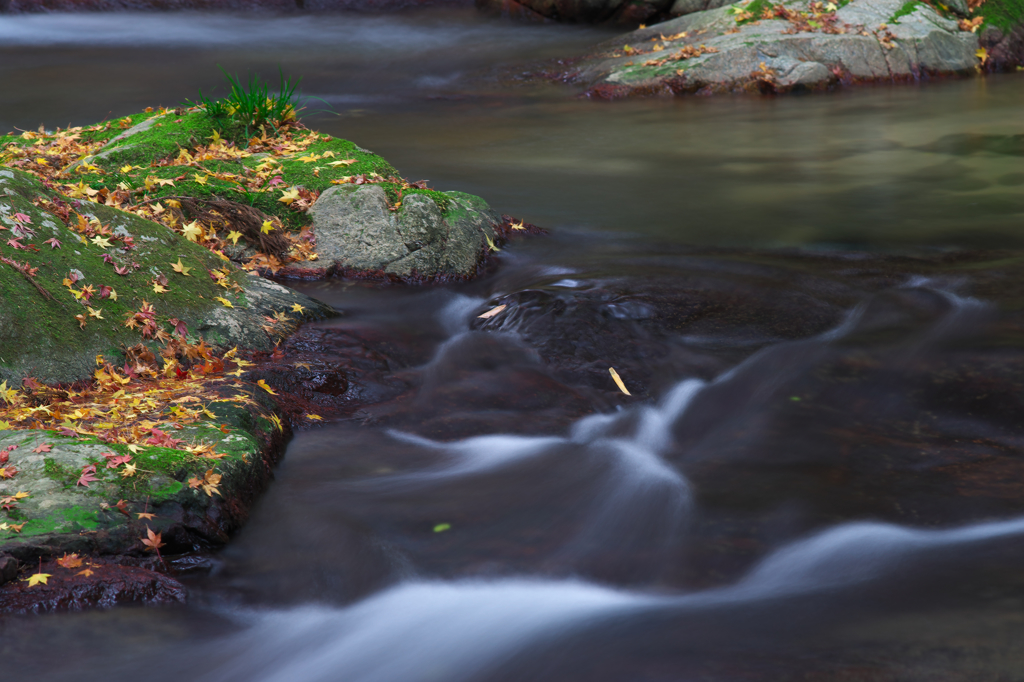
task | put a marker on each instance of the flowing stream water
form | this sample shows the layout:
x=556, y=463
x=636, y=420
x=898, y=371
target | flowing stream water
x=816, y=302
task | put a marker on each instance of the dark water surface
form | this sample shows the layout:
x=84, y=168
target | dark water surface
x=816, y=303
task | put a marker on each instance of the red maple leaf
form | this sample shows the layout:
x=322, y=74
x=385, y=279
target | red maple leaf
x=15, y=244
x=87, y=476
x=42, y=447
x=53, y=242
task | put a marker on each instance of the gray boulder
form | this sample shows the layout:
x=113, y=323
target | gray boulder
x=709, y=51
x=356, y=230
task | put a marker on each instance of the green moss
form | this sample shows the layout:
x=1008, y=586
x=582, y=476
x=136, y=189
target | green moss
x=1006, y=15
x=908, y=8
x=167, y=136
x=442, y=200
x=757, y=8
x=31, y=320
x=111, y=128
x=61, y=473
x=66, y=520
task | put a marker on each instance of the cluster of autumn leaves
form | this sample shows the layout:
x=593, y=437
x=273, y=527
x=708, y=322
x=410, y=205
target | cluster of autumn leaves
x=51, y=155
x=137, y=405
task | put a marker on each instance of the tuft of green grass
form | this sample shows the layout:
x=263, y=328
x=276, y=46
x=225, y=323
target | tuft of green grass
x=252, y=106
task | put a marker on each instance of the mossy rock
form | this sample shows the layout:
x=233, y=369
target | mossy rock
x=40, y=335
x=60, y=515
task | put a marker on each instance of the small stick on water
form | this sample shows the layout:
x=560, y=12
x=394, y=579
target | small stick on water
x=618, y=381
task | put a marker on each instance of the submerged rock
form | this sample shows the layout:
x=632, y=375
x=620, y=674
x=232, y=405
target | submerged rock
x=443, y=237
x=91, y=584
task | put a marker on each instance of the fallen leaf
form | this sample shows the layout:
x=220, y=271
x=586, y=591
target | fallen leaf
x=38, y=578
x=263, y=384
x=42, y=447
x=145, y=515
x=492, y=312
x=618, y=381
x=69, y=561
x=223, y=301
x=289, y=197
x=178, y=267
x=192, y=231
x=153, y=541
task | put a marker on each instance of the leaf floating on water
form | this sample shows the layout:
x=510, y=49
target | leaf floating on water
x=442, y=527
x=492, y=312
x=618, y=381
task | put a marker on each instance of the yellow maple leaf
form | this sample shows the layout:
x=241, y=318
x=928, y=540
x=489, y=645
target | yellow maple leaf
x=178, y=267
x=159, y=288
x=224, y=302
x=201, y=179
x=289, y=196
x=263, y=384
x=95, y=313
x=234, y=236
x=38, y=578
x=296, y=308
x=129, y=470
x=982, y=54
x=315, y=417
x=192, y=231
x=101, y=242
x=267, y=227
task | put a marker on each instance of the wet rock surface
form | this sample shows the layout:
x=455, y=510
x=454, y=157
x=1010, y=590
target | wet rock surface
x=94, y=584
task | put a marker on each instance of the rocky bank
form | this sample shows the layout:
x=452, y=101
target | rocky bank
x=134, y=308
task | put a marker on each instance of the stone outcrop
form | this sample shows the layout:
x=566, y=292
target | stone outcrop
x=433, y=236
x=786, y=47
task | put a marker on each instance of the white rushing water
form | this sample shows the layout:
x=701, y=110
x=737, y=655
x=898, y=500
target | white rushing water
x=434, y=631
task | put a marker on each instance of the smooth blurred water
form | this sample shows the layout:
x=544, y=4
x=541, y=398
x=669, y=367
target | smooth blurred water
x=818, y=477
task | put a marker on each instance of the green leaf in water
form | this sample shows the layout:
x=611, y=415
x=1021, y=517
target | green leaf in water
x=442, y=527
